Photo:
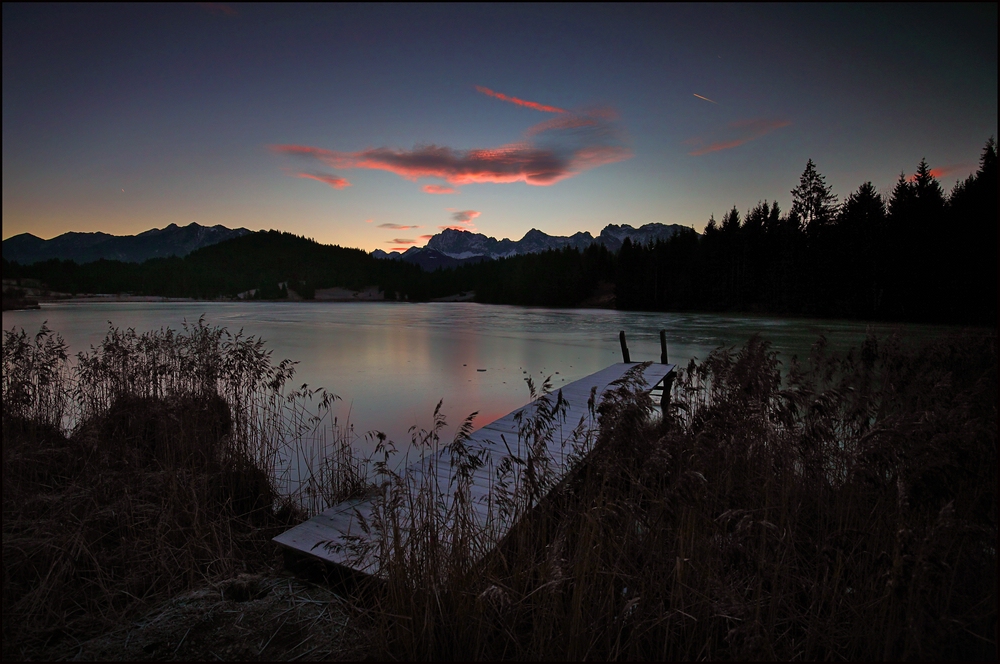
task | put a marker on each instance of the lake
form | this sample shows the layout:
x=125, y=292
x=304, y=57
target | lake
x=392, y=362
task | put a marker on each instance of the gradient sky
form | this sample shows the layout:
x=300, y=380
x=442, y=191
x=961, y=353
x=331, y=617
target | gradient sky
x=376, y=126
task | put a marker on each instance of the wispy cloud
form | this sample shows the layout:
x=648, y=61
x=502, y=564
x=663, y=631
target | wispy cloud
x=401, y=240
x=456, y=227
x=944, y=171
x=520, y=102
x=368, y=221
x=332, y=180
x=465, y=216
x=705, y=98
x=564, y=122
x=398, y=227
x=439, y=189
x=425, y=237
x=549, y=153
x=733, y=135
x=218, y=9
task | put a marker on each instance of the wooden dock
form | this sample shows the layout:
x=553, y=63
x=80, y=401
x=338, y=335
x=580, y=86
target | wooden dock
x=340, y=534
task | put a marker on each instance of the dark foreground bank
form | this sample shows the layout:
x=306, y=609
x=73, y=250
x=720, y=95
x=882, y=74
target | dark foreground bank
x=845, y=511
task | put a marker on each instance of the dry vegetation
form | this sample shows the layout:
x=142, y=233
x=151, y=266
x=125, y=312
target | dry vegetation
x=846, y=510
x=157, y=466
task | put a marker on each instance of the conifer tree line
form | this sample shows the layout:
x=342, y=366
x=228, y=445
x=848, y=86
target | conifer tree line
x=918, y=255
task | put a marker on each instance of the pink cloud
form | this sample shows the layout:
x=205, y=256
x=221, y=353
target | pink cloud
x=943, y=171
x=567, y=122
x=439, y=189
x=516, y=162
x=401, y=240
x=218, y=9
x=368, y=221
x=733, y=135
x=465, y=216
x=425, y=237
x=332, y=180
x=398, y=227
x=550, y=152
x=303, y=150
x=519, y=102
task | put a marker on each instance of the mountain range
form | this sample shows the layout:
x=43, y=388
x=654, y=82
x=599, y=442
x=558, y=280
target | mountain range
x=453, y=247
x=448, y=248
x=173, y=240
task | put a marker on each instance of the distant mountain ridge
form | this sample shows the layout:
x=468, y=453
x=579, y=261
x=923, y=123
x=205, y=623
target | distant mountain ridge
x=453, y=247
x=173, y=240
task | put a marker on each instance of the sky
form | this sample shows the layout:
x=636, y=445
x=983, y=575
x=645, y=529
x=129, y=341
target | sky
x=377, y=126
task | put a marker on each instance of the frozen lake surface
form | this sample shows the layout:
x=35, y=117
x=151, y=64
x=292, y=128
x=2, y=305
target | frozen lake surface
x=391, y=362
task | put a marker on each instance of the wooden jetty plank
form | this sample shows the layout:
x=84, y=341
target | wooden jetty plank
x=329, y=535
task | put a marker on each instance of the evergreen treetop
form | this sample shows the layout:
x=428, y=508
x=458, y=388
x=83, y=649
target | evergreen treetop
x=813, y=200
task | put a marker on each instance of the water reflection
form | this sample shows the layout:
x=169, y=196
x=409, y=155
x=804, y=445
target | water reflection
x=391, y=363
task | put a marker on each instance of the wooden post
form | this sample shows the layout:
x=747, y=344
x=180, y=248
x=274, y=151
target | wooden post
x=621, y=338
x=668, y=380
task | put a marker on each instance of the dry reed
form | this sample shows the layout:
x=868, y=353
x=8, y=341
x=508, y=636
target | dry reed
x=159, y=462
x=847, y=510
x=844, y=509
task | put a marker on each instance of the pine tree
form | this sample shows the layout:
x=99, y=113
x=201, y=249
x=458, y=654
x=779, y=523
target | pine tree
x=988, y=162
x=731, y=222
x=901, y=198
x=926, y=187
x=813, y=201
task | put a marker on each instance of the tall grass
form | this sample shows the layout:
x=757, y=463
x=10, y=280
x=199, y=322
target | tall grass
x=846, y=511
x=844, y=508
x=153, y=463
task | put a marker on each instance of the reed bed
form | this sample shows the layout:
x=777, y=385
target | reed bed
x=842, y=508
x=154, y=464
x=844, y=511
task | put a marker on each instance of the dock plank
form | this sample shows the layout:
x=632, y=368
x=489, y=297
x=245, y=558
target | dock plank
x=338, y=535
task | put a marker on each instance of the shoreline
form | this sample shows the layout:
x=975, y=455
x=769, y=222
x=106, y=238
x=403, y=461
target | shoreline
x=466, y=299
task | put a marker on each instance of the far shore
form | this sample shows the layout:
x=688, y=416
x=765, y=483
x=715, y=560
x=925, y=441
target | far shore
x=324, y=295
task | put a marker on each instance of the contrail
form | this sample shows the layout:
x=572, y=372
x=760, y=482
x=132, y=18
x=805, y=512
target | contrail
x=705, y=98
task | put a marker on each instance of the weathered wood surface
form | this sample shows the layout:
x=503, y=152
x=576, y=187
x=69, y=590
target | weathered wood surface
x=328, y=535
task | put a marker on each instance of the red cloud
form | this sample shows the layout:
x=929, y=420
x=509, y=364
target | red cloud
x=943, y=171
x=439, y=189
x=509, y=163
x=550, y=152
x=734, y=135
x=398, y=227
x=520, y=102
x=332, y=180
x=425, y=237
x=465, y=216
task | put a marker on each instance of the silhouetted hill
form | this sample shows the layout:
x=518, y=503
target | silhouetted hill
x=173, y=240
x=251, y=262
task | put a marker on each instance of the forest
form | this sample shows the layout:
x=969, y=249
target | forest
x=920, y=255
